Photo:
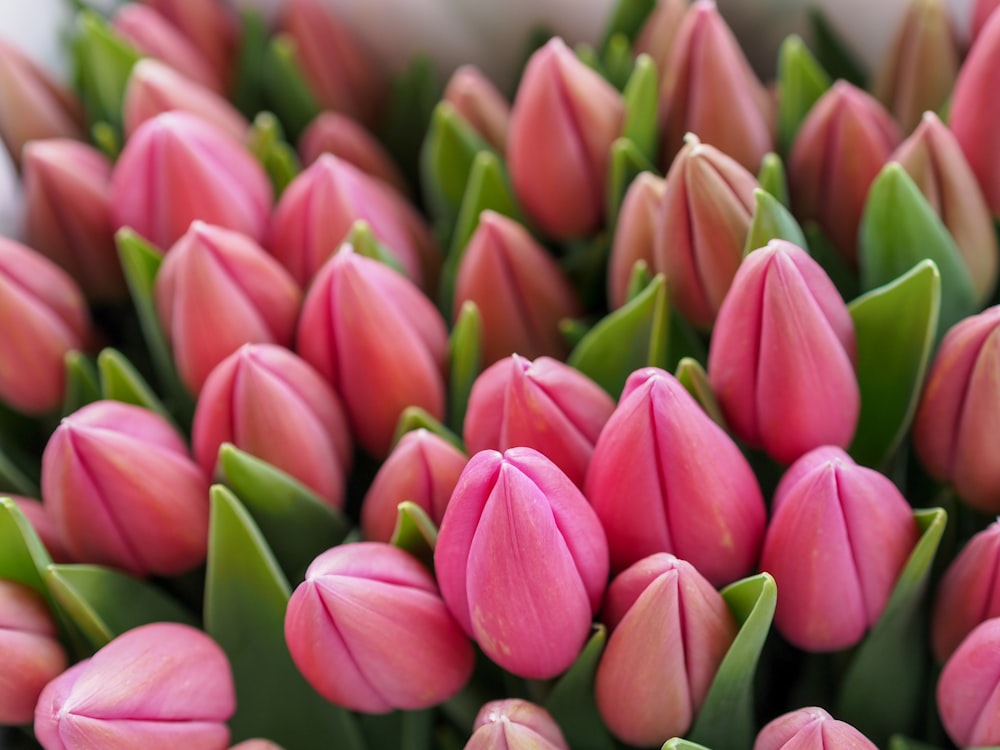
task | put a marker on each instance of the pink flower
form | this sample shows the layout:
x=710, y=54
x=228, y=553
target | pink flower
x=477, y=101
x=967, y=694
x=810, y=729
x=635, y=234
x=515, y=724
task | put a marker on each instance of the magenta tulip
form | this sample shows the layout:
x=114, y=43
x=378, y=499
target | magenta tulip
x=968, y=690
x=515, y=724
x=810, y=729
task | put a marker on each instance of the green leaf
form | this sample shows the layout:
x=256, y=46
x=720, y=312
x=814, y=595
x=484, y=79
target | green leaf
x=631, y=337
x=415, y=418
x=103, y=63
x=617, y=61
x=14, y=475
x=726, y=718
x=627, y=19
x=641, y=101
x=572, y=703
x=106, y=139
x=82, y=383
x=801, y=82
x=296, y=523
x=678, y=743
x=771, y=220
x=898, y=230
x=245, y=600
x=465, y=356
x=833, y=54
x=23, y=557
x=104, y=603
x=415, y=532
x=365, y=243
x=446, y=160
x=898, y=742
x=120, y=381
x=413, y=96
x=894, y=326
x=823, y=252
x=772, y=177
x=266, y=141
x=286, y=89
x=251, y=60
x=882, y=692
x=638, y=280
x=693, y=377
x=405, y=730
x=627, y=161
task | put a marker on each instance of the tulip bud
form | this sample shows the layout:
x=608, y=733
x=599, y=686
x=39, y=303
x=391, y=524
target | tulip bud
x=702, y=226
x=122, y=490
x=515, y=724
x=519, y=289
x=219, y=275
x=154, y=88
x=67, y=187
x=38, y=516
x=158, y=685
x=378, y=340
x=32, y=106
x=781, y=361
x=840, y=148
x=981, y=12
x=337, y=134
x=934, y=159
x=969, y=592
x=839, y=537
x=369, y=631
x=319, y=207
x=424, y=469
x=709, y=89
x=670, y=630
x=635, y=234
x=810, y=729
x=658, y=34
x=974, y=114
x=211, y=28
x=655, y=490
x=44, y=317
x=959, y=411
x=545, y=405
x=564, y=120
x=257, y=744
x=29, y=650
x=968, y=698
x=176, y=168
x=478, y=101
x=342, y=74
x=513, y=515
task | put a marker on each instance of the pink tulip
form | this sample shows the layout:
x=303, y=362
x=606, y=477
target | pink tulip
x=659, y=32
x=44, y=318
x=515, y=724
x=670, y=630
x=220, y=275
x=564, y=120
x=337, y=134
x=368, y=630
x=981, y=12
x=29, y=650
x=157, y=686
x=512, y=516
x=38, y=516
x=256, y=744
x=176, y=168
x=810, y=729
x=838, y=539
x=665, y=478
x=122, y=490
x=781, y=360
x=545, y=405
x=635, y=234
x=968, y=690
x=378, y=340
x=520, y=291
x=266, y=401
x=423, y=468
x=478, y=101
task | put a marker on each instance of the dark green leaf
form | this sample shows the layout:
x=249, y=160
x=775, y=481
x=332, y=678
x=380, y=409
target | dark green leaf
x=617, y=61
x=627, y=19
x=830, y=259
x=898, y=742
x=627, y=161
x=405, y=730
x=415, y=532
x=412, y=99
x=251, y=61
x=287, y=91
x=801, y=82
x=835, y=57
x=572, y=703
x=14, y=473
x=465, y=354
x=641, y=102
x=771, y=220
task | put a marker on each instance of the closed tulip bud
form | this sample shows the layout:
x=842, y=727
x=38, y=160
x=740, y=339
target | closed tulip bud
x=934, y=159
x=969, y=592
x=702, y=227
x=519, y=289
x=337, y=134
x=840, y=148
x=919, y=71
x=959, y=411
x=968, y=698
x=659, y=32
x=545, y=405
x=154, y=88
x=709, y=89
x=981, y=12
x=155, y=686
x=515, y=724
x=38, y=516
x=670, y=630
x=123, y=491
x=478, y=101
x=423, y=468
x=665, y=478
x=319, y=207
x=220, y=275
x=269, y=403
x=378, y=340
x=974, y=113
x=44, y=318
x=369, y=631
x=29, y=650
x=343, y=75
x=257, y=744
x=810, y=729
x=781, y=361
x=839, y=537
x=635, y=234
x=564, y=120
x=67, y=186
x=176, y=168
x=32, y=106
x=511, y=516
x=211, y=27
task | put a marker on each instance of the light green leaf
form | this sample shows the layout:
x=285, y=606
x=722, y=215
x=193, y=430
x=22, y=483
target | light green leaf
x=446, y=160
x=801, y=82
x=247, y=92
x=641, y=101
x=415, y=532
x=82, y=382
x=627, y=19
x=23, y=557
x=678, y=743
x=772, y=177
x=693, y=377
x=572, y=703
x=103, y=63
x=120, y=381
x=771, y=220
x=266, y=141
x=363, y=240
x=415, y=418
x=618, y=61
x=465, y=355
x=286, y=89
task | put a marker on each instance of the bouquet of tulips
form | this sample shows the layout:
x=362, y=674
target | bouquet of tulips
x=638, y=404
